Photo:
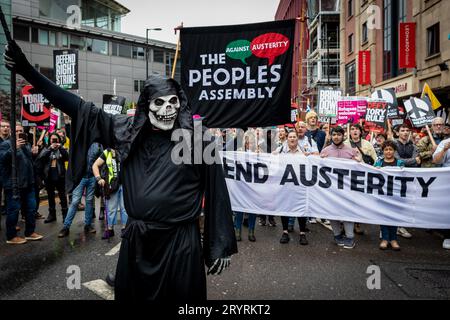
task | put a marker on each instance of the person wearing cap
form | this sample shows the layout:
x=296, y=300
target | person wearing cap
x=314, y=132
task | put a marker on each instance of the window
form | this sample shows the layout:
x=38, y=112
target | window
x=121, y=50
x=64, y=40
x=97, y=46
x=138, y=53
x=350, y=43
x=77, y=42
x=43, y=37
x=158, y=56
x=365, y=33
x=350, y=8
x=387, y=40
x=433, y=44
x=21, y=32
x=139, y=85
x=350, y=79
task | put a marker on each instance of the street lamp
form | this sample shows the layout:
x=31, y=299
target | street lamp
x=146, y=49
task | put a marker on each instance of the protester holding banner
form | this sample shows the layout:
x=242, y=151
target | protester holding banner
x=339, y=150
x=442, y=157
x=292, y=147
x=426, y=147
x=307, y=145
x=408, y=153
x=314, y=132
x=249, y=145
x=364, y=147
x=51, y=168
x=25, y=179
x=389, y=233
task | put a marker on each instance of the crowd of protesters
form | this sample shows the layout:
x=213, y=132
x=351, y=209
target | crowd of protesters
x=41, y=164
x=400, y=146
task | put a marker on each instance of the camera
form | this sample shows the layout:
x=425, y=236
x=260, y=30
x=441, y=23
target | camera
x=23, y=136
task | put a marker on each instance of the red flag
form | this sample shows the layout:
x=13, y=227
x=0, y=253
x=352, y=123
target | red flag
x=407, y=45
x=364, y=67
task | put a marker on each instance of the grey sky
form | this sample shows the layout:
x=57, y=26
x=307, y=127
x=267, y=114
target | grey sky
x=168, y=14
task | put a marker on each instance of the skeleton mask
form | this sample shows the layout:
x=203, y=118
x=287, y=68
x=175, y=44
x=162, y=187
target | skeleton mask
x=164, y=111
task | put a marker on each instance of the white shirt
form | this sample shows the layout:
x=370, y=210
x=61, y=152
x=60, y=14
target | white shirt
x=307, y=147
x=446, y=161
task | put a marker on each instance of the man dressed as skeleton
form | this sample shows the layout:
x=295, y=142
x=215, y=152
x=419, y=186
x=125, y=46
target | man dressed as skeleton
x=161, y=255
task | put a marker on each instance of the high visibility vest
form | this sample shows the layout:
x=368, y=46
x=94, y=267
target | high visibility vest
x=110, y=164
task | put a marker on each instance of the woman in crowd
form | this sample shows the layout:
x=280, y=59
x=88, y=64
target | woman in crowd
x=292, y=147
x=389, y=233
x=249, y=145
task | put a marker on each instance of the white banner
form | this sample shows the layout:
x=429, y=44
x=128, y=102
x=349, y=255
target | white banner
x=337, y=189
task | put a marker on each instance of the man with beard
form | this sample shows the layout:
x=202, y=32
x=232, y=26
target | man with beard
x=338, y=149
x=425, y=145
x=161, y=256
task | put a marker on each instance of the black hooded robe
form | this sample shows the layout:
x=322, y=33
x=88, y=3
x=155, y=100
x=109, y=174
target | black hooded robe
x=161, y=255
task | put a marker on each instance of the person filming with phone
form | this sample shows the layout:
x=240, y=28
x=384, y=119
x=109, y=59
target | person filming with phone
x=25, y=181
x=52, y=170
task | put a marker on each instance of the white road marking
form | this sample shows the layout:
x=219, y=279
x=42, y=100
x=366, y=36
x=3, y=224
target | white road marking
x=114, y=250
x=100, y=288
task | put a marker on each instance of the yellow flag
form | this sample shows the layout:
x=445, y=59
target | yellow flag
x=428, y=92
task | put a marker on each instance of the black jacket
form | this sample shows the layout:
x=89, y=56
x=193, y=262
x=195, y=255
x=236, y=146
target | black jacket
x=25, y=171
x=43, y=162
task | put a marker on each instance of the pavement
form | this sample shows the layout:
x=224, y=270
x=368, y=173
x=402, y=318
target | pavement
x=262, y=270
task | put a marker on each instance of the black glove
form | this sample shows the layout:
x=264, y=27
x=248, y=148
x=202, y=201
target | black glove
x=15, y=59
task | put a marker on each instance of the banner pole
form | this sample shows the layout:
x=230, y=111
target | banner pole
x=34, y=136
x=177, y=52
x=431, y=136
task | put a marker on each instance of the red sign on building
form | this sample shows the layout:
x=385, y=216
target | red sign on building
x=407, y=46
x=364, y=68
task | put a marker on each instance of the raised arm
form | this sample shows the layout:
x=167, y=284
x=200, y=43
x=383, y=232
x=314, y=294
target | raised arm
x=60, y=98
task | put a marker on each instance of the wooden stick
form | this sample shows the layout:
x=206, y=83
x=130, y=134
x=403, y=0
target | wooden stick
x=176, y=53
x=431, y=136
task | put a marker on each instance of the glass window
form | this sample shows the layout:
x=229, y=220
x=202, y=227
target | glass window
x=365, y=33
x=139, y=85
x=52, y=38
x=21, y=32
x=77, y=42
x=350, y=43
x=433, y=44
x=138, y=53
x=64, y=40
x=56, y=9
x=387, y=40
x=350, y=78
x=43, y=37
x=97, y=46
x=350, y=8
x=34, y=35
x=158, y=56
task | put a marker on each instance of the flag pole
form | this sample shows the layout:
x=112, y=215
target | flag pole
x=431, y=136
x=177, y=52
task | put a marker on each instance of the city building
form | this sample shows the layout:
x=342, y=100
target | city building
x=297, y=9
x=323, y=62
x=107, y=57
x=374, y=26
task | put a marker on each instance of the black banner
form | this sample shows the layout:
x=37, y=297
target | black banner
x=36, y=108
x=420, y=111
x=390, y=97
x=65, y=64
x=113, y=104
x=239, y=76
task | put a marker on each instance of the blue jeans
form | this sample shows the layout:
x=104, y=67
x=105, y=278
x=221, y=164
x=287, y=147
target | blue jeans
x=388, y=233
x=26, y=202
x=114, y=204
x=77, y=194
x=239, y=217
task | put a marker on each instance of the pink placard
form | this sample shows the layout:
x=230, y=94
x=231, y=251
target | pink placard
x=347, y=112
